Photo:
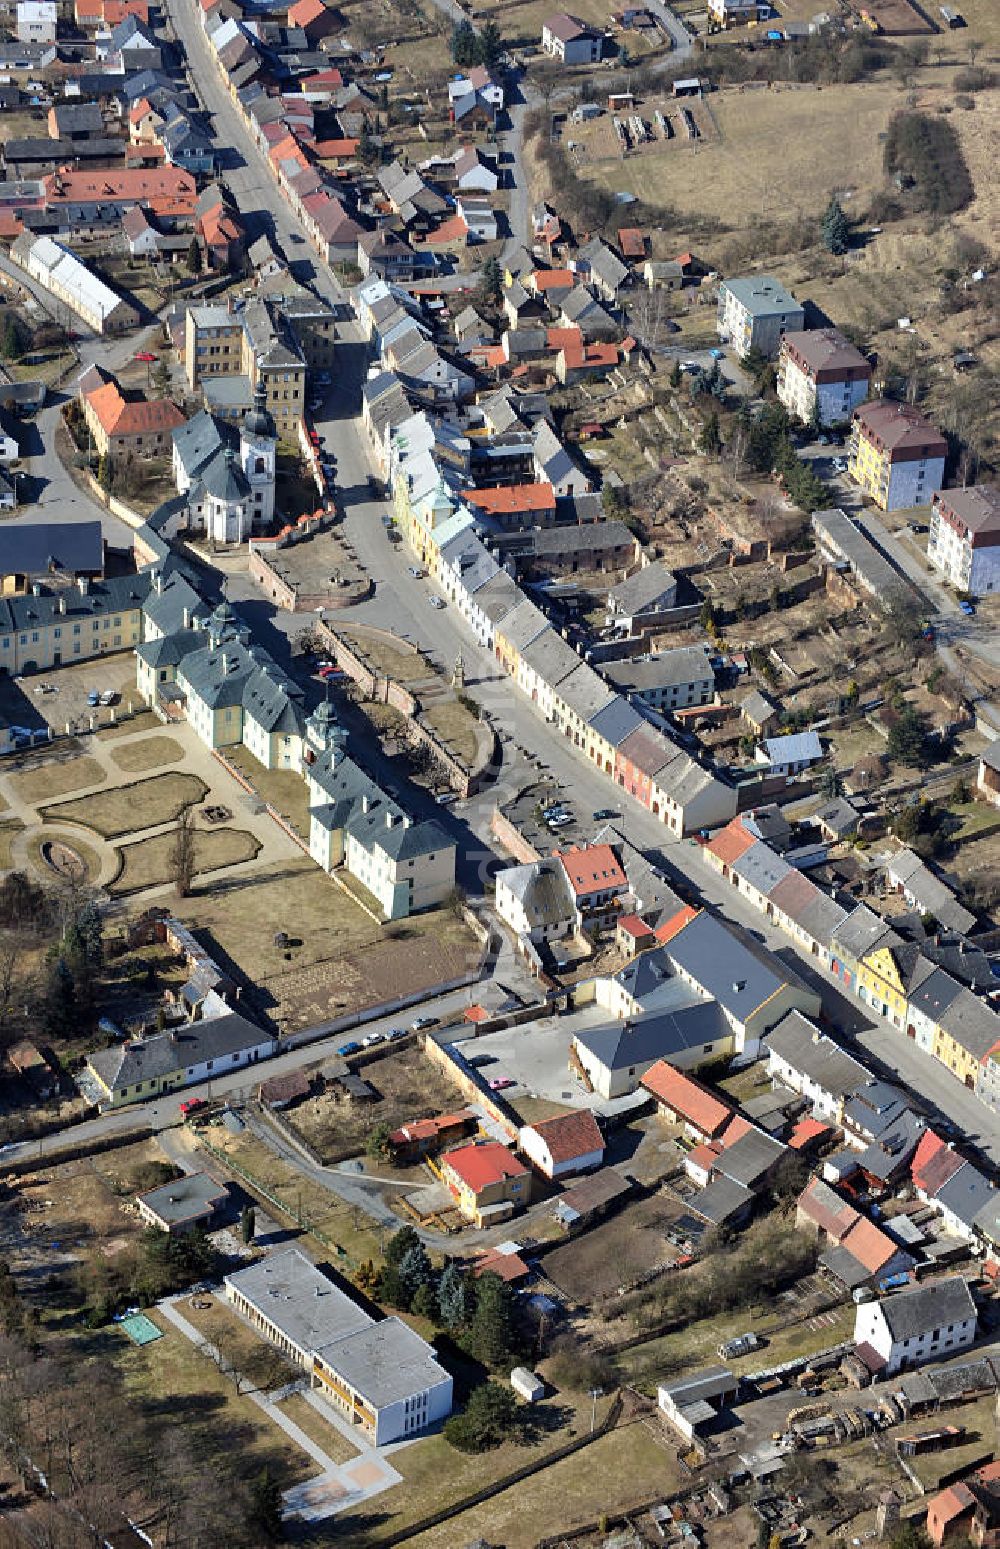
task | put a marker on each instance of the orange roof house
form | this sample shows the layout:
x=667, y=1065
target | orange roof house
x=670, y=928
x=487, y=1181
x=951, y=1512
x=512, y=499
x=595, y=873
x=566, y=1143
x=541, y=281
x=680, y=1097
x=631, y=242
x=730, y=843
x=121, y=424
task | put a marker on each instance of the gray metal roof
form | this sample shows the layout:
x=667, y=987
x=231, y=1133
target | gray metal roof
x=717, y=960
x=290, y=1292
x=615, y=721
x=584, y=693
x=660, y=1035
x=760, y=868
x=74, y=547
x=650, y=589
x=965, y=1193
x=762, y=295
x=721, y=1200
x=681, y=666
x=750, y=1158
x=581, y=538
x=797, y=1041
x=542, y=889
x=909, y=1314
x=551, y=657
x=385, y=1362
x=185, y=1198
x=165, y=1054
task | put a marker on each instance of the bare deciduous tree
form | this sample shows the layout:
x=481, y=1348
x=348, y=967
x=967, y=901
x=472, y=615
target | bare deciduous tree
x=182, y=857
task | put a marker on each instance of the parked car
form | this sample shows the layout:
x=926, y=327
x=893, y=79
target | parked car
x=350, y=1047
x=93, y=697
x=717, y=354
x=192, y=1105
x=437, y=602
x=967, y=608
x=561, y=822
x=420, y=1023
x=501, y=1083
x=331, y=672
x=445, y=798
x=605, y=812
x=371, y=1039
x=110, y=697
x=394, y=1033
x=415, y=571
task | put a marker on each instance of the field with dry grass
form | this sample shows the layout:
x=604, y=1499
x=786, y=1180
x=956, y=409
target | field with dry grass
x=822, y=140
x=147, y=753
x=408, y=1085
x=124, y=809
x=149, y=862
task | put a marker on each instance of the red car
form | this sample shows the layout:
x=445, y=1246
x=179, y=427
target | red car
x=145, y=356
x=192, y=1105
x=331, y=672
x=501, y=1083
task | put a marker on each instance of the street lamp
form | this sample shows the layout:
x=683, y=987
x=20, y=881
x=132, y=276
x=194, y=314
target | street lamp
x=595, y=1394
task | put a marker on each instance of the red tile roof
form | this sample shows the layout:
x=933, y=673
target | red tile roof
x=670, y=928
x=825, y=1208
x=508, y=1266
x=570, y=1135
x=704, y=1155
x=563, y=338
x=552, y=279
x=737, y=1127
x=590, y=357
x=426, y=1129
x=118, y=417
x=305, y=11
x=138, y=183
x=688, y=1098
x=481, y=1165
x=806, y=1131
x=937, y=1169
x=928, y=1146
x=593, y=868
x=631, y=242
x=868, y=1245
x=512, y=497
x=635, y=925
x=732, y=842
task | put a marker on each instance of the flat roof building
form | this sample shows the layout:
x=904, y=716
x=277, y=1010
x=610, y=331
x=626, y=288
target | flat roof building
x=384, y=1377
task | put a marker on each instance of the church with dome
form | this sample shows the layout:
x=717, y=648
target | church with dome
x=225, y=474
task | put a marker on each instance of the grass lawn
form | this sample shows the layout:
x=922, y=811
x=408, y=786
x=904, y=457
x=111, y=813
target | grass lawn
x=260, y=1362
x=148, y=863
x=56, y=779
x=979, y=1419
x=697, y=1344
x=318, y=1207
x=326, y=1435
x=173, y=1369
x=144, y=721
x=434, y=1473
x=626, y=1466
x=148, y=753
x=814, y=135
x=282, y=788
x=977, y=818
x=384, y=655
x=8, y=833
x=129, y=808
x=455, y=727
x=299, y=899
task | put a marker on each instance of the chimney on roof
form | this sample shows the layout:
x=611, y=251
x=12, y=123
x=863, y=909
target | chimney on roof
x=738, y=985
x=61, y=605
x=84, y=584
x=187, y=618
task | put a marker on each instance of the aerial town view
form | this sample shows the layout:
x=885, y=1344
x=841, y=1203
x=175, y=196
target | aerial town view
x=499, y=774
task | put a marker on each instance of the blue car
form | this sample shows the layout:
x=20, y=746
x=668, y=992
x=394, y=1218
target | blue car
x=717, y=354
x=349, y=1048
x=967, y=609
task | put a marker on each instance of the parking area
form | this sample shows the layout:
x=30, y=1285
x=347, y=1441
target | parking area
x=546, y=814
x=58, y=697
x=535, y=1059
